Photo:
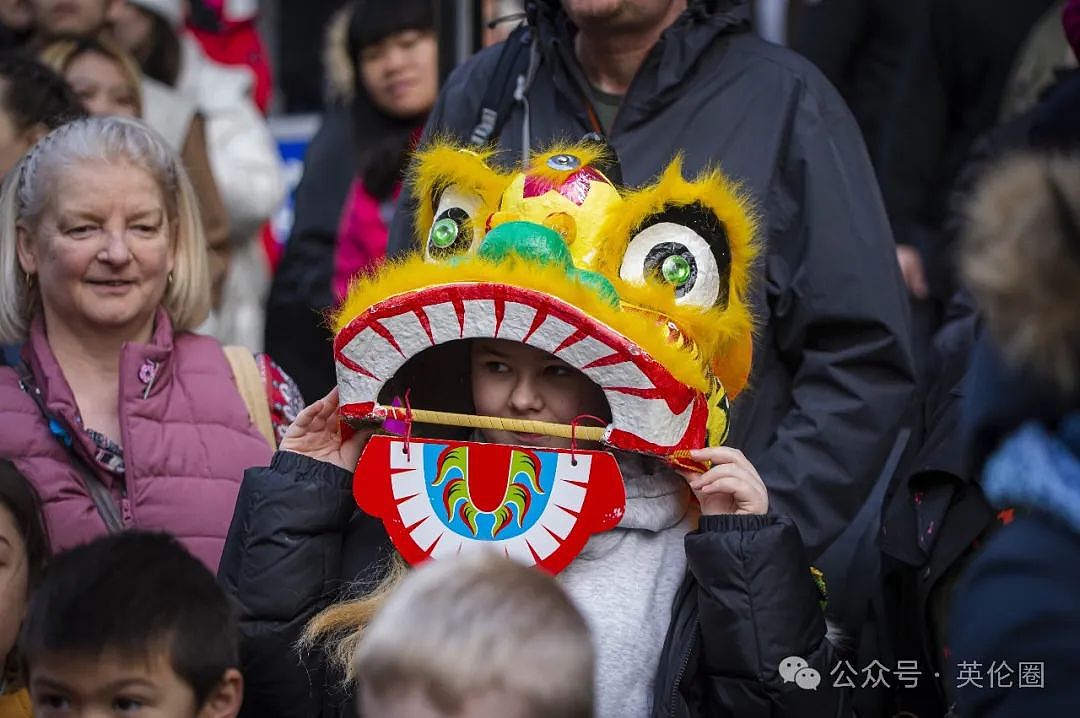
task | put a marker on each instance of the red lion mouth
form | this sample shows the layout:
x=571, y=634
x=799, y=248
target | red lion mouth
x=651, y=410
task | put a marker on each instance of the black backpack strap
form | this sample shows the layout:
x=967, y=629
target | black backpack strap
x=499, y=97
x=99, y=493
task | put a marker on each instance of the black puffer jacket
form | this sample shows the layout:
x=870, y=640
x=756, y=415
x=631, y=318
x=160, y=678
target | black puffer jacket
x=747, y=602
x=832, y=372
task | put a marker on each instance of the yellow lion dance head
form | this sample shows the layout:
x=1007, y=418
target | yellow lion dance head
x=642, y=290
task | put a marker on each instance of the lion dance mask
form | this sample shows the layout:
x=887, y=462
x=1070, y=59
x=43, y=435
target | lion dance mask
x=642, y=290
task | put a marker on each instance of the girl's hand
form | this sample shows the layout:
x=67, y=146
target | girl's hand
x=316, y=433
x=730, y=486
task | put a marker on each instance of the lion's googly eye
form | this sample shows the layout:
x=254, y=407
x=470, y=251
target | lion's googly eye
x=452, y=231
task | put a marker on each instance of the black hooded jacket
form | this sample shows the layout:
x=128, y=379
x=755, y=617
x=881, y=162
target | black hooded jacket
x=747, y=603
x=832, y=369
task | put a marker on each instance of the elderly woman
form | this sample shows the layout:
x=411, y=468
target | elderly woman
x=119, y=416
x=107, y=80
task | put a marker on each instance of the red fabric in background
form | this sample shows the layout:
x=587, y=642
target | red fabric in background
x=240, y=44
x=1071, y=20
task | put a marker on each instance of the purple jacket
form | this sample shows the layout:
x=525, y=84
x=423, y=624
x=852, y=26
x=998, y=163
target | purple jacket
x=186, y=441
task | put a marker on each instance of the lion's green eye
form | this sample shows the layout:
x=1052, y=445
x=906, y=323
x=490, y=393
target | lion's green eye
x=444, y=233
x=450, y=234
x=676, y=270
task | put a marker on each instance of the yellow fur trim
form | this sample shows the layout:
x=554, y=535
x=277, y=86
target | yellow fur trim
x=589, y=154
x=600, y=231
x=413, y=273
x=718, y=330
x=443, y=165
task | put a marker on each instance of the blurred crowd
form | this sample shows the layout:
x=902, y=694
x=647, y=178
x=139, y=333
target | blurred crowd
x=912, y=414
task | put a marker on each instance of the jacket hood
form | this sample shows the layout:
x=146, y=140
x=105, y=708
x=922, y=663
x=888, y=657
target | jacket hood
x=340, y=71
x=693, y=32
x=1039, y=469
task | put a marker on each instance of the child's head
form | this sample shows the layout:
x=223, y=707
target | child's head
x=24, y=548
x=131, y=621
x=473, y=637
x=511, y=380
x=102, y=74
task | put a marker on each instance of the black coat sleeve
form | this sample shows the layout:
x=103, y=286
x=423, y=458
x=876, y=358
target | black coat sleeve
x=757, y=606
x=840, y=328
x=281, y=565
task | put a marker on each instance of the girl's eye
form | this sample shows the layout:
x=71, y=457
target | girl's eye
x=54, y=702
x=497, y=367
x=127, y=705
x=560, y=370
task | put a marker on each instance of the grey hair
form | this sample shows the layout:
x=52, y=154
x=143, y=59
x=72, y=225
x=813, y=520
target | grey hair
x=28, y=190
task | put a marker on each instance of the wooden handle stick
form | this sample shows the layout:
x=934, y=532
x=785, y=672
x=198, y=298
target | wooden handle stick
x=521, y=426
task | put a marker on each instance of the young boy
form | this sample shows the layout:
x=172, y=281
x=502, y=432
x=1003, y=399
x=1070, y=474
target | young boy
x=474, y=637
x=133, y=624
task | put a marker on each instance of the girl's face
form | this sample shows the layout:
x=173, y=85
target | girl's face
x=101, y=252
x=101, y=86
x=14, y=577
x=516, y=381
x=401, y=73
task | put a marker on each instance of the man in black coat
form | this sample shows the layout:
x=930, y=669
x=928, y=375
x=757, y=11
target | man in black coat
x=949, y=94
x=833, y=375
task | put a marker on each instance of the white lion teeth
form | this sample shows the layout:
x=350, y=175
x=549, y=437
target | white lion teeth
x=550, y=335
x=584, y=352
x=517, y=320
x=479, y=319
x=407, y=332
x=624, y=375
x=443, y=321
x=649, y=418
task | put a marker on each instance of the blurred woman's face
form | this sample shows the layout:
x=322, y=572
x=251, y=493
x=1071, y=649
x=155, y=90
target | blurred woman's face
x=133, y=28
x=102, y=250
x=15, y=15
x=101, y=86
x=14, y=576
x=401, y=73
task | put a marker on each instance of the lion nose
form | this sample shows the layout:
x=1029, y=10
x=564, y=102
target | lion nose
x=540, y=244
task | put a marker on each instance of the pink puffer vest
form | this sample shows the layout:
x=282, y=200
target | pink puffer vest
x=186, y=442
